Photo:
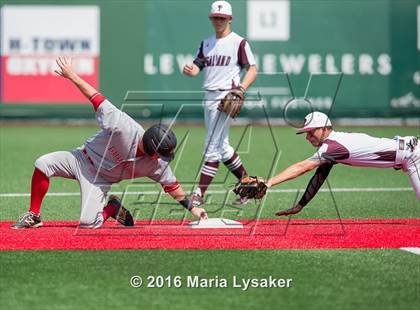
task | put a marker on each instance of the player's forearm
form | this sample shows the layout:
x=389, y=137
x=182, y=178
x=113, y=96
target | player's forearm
x=249, y=77
x=178, y=194
x=84, y=87
x=288, y=174
x=315, y=184
x=67, y=71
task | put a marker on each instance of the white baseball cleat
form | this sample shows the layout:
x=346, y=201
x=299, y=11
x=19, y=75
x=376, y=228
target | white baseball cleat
x=28, y=220
x=241, y=201
x=196, y=200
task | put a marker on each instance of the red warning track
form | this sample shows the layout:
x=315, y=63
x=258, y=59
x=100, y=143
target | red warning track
x=264, y=234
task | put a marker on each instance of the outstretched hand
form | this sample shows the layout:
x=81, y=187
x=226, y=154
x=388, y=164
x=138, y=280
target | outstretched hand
x=65, y=67
x=199, y=212
x=290, y=211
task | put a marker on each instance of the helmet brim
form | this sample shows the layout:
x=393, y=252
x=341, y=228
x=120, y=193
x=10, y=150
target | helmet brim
x=167, y=158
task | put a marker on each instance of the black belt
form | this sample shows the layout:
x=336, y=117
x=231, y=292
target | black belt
x=220, y=89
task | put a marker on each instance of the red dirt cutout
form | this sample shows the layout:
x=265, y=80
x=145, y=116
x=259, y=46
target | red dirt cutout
x=264, y=234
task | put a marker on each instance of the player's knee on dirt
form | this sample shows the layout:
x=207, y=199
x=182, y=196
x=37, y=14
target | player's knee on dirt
x=91, y=222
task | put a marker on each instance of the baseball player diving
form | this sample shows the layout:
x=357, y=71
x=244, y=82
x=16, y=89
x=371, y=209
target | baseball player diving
x=222, y=58
x=353, y=149
x=121, y=150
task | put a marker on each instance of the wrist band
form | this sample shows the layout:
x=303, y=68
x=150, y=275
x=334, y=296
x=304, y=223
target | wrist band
x=186, y=204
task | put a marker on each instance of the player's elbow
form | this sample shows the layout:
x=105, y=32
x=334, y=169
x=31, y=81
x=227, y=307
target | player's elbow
x=252, y=70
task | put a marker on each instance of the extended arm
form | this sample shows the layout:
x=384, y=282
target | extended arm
x=66, y=71
x=109, y=117
x=314, y=185
x=294, y=171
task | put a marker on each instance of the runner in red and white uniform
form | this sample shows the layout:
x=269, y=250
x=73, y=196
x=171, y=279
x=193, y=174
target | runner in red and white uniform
x=121, y=150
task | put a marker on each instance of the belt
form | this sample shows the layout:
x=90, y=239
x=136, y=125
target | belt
x=88, y=158
x=217, y=89
x=404, y=145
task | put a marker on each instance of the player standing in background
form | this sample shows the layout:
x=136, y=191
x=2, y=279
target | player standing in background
x=121, y=150
x=221, y=57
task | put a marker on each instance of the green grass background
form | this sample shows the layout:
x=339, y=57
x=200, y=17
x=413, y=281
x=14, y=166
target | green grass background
x=322, y=279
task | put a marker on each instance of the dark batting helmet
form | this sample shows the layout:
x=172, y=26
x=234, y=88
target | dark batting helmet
x=160, y=140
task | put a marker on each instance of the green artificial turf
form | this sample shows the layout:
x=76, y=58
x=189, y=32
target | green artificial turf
x=20, y=147
x=322, y=279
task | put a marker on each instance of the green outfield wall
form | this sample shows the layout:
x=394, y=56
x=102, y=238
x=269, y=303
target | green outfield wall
x=303, y=48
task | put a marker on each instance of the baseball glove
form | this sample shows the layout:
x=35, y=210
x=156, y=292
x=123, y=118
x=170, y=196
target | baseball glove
x=251, y=187
x=232, y=103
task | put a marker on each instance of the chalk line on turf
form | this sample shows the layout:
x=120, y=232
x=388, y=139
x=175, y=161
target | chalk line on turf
x=411, y=250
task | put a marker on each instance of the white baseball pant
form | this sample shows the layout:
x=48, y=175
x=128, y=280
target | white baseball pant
x=410, y=162
x=217, y=123
x=93, y=188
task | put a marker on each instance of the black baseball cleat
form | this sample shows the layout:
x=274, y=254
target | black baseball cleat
x=123, y=216
x=28, y=220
